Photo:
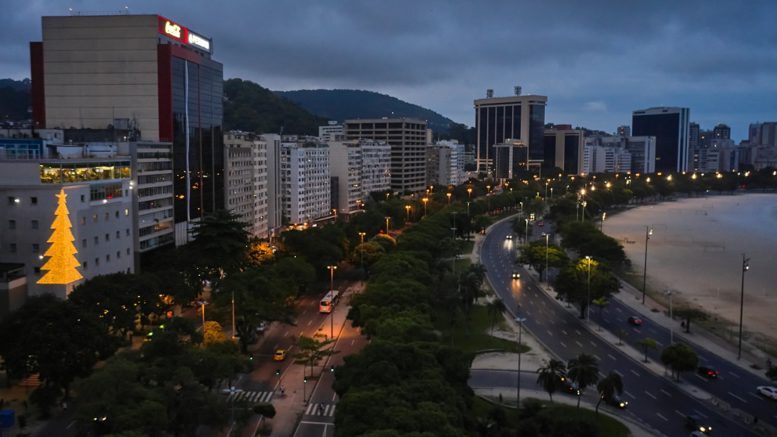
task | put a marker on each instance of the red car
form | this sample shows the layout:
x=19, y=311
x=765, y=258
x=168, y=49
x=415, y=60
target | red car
x=636, y=321
x=708, y=372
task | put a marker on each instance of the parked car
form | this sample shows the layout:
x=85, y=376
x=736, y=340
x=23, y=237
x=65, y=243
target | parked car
x=636, y=321
x=695, y=423
x=768, y=391
x=708, y=372
x=516, y=275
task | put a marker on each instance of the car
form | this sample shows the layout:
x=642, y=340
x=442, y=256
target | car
x=261, y=327
x=569, y=386
x=695, y=423
x=636, y=321
x=617, y=402
x=509, y=236
x=708, y=372
x=768, y=391
x=516, y=275
x=697, y=434
x=280, y=355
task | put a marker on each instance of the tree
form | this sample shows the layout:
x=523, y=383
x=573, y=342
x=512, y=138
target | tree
x=572, y=282
x=61, y=267
x=495, y=309
x=608, y=387
x=601, y=303
x=688, y=314
x=550, y=376
x=584, y=371
x=647, y=343
x=221, y=245
x=311, y=350
x=534, y=254
x=212, y=333
x=680, y=358
x=471, y=282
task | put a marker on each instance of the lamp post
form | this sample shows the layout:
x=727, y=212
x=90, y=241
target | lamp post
x=203, y=303
x=547, y=236
x=520, y=321
x=407, y=209
x=745, y=268
x=520, y=213
x=387, y=224
x=361, y=252
x=526, y=237
x=468, y=202
x=425, y=200
x=604, y=216
x=469, y=193
x=671, y=325
x=332, y=269
x=648, y=233
x=448, y=195
x=233, y=314
x=454, y=241
x=582, y=216
x=304, y=390
x=588, y=293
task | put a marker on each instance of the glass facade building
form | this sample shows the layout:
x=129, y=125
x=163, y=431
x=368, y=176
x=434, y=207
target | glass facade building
x=670, y=126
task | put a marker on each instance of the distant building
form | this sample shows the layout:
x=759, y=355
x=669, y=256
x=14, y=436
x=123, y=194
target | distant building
x=245, y=180
x=517, y=119
x=603, y=159
x=564, y=149
x=13, y=288
x=331, y=132
x=360, y=168
x=305, y=181
x=763, y=134
x=721, y=132
x=272, y=143
x=445, y=163
x=670, y=126
x=408, y=140
x=694, y=135
x=624, y=131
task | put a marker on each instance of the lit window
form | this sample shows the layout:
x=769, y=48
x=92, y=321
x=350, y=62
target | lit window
x=126, y=211
x=83, y=220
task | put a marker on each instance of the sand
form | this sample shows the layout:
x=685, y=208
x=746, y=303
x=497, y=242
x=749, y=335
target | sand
x=696, y=251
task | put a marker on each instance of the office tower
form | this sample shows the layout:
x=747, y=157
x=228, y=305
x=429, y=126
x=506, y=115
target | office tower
x=143, y=72
x=96, y=181
x=519, y=119
x=272, y=143
x=407, y=138
x=721, y=132
x=331, y=132
x=670, y=127
x=360, y=168
x=606, y=159
x=245, y=180
x=694, y=135
x=564, y=149
x=305, y=181
x=624, y=131
x=445, y=163
x=763, y=134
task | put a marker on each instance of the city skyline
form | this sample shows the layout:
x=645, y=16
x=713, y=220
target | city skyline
x=595, y=63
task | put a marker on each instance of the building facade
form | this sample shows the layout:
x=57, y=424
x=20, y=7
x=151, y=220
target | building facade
x=564, y=149
x=670, y=126
x=245, y=162
x=142, y=72
x=331, y=132
x=519, y=119
x=408, y=140
x=305, y=182
x=445, y=163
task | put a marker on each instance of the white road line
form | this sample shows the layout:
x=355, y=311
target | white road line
x=593, y=343
x=629, y=394
x=309, y=322
x=597, y=357
x=564, y=332
x=701, y=414
x=701, y=378
x=549, y=333
x=680, y=413
x=578, y=343
x=562, y=344
x=285, y=334
x=309, y=409
x=634, y=372
x=734, y=374
x=650, y=394
x=755, y=396
x=659, y=415
x=618, y=310
x=577, y=331
x=618, y=372
x=611, y=357
x=733, y=395
x=636, y=330
x=665, y=392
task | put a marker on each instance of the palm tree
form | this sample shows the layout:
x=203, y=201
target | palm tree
x=608, y=387
x=550, y=376
x=470, y=283
x=648, y=343
x=584, y=371
x=495, y=308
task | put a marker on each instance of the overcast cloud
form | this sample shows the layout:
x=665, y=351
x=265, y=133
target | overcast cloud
x=595, y=60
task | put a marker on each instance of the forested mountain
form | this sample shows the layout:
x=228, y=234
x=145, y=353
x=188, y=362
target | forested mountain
x=250, y=107
x=342, y=105
x=14, y=99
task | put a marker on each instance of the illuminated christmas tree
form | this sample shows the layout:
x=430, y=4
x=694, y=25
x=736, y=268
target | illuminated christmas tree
x=62, y=263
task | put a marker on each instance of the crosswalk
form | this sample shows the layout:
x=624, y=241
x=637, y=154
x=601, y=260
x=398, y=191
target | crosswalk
x=249, y=396
x=317, y=409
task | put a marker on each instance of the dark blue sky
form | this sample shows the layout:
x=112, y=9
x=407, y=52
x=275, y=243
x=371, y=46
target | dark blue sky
x=595, y=60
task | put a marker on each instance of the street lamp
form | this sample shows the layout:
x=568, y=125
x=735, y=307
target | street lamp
x=332, y=269
x=588, y=301
x=387, y=224
x=520, y=321
x=448, y=195
x=582, y=216
x=671, y=325
x=361, y=251
x=425, y=200
x=304, y=390
x=526, y=238
x=604, y=216
x=648, y=233
x=407, y=209
x=469, y=193
x=203, y=303
x=546, y=235
x=745, y=268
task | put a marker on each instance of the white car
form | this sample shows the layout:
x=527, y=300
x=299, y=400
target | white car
x=768, y=391
x=509, y=236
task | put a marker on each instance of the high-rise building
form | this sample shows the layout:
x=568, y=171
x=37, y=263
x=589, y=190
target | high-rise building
x=670, y=127
x=624, y=131
x=564, y=149
x=331, y=132
x=143, y=72
x=408, y=140
x=721, y=132
x=694, y=135
x=763, y=134
x=245, y=162
x=360, y=168
x=445, y=163
x=601, y=159
x=272, y=143
x=517, y=119
x=305, y=181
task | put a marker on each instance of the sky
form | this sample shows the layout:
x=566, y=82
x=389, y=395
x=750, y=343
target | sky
x=597, y=61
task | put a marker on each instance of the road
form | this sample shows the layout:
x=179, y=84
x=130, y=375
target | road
x=655, y=400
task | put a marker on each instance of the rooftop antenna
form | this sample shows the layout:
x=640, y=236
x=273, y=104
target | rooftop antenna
x=126, y=10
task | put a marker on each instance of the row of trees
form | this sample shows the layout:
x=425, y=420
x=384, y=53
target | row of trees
x=583, y=371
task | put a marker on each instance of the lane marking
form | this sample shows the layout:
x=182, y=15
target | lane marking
x=650, y=394
x=618, y=309
x=577, y=331
x=310, y=322
x=734, y=374
x=593, y=343
x=578, y=343
x=597, y=357
x=755, y=396
x=562, y=344
x=629, y=394
x=665, y=392
x=701, y=414
x=564, y=332
x=733, y=395
x=680, y=413
x=611, y=357
x=634, y=372
x=661, y=416
x=549, y=333
x=618, y=372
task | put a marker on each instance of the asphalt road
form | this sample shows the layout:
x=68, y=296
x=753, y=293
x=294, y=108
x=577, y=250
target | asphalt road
x=655, y=400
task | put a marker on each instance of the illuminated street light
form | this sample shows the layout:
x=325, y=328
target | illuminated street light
x=745, y=268
x=648, y=234
x=588, y=302
x=425, y=200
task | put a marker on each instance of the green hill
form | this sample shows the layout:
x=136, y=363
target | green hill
x=252, y=108
x=14, y=99
x=342, y=105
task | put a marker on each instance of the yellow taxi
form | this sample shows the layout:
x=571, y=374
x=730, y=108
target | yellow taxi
x=280, y=355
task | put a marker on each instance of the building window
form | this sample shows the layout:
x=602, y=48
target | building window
x=83, y=242
x=128, y=251
x=97, y=261
x=35, y=247
x=118, y=254
x=12, y=247
x=12, y=200
x=83, y=220
x=11, y=224
x=34, y=200
x=107, y=216
x=83, y=199
x=84, y=265
x=118, y=234
x=107, y=237
x=116, y=213
x=37, y=270
x=34, y=224
x=108, y=258
x=96, y=240
x=128, y=232
x=94, y=218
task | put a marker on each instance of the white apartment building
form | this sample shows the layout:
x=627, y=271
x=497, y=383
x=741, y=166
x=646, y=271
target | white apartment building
x=305, y=181
x=600, y=159
x=360, y=168
x=245, y=182
x=272, y=143
x=100, y=206
x=376, y=167
x=331, y=132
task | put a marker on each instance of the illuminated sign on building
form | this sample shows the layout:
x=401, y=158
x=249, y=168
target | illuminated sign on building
x=172, y=29
x=199, y=41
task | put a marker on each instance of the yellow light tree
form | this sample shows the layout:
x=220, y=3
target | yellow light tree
x=61, y=267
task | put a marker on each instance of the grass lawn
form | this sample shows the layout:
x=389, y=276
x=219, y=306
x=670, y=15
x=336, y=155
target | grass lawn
x=470, y=334
x=606, y=425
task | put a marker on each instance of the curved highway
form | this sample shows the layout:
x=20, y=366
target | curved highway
x=655, y=400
